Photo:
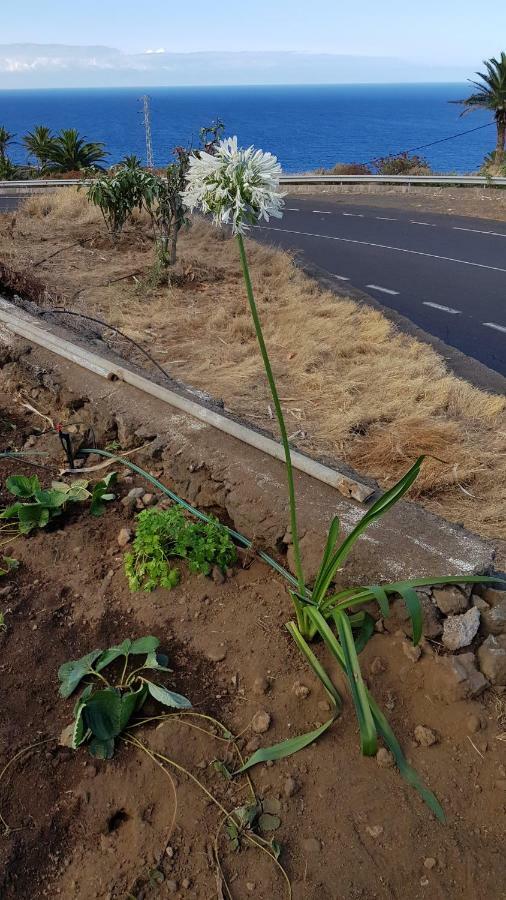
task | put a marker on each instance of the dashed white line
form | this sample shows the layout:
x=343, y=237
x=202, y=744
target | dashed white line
x=322, y=212
x=493, y=325
x=355, y=215
x=427, y=224
x=343, y=240
x=292, y=209
x=384, y=290
x=448, y=309
x=340, y=277
x=386, y=219
x=477, y=231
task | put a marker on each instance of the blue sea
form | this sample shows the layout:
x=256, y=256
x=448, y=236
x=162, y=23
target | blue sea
x=305, y=126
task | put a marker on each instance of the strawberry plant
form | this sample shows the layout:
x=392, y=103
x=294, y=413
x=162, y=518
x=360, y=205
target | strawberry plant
x=36, y=506
x=105, y=707
x=165, y=534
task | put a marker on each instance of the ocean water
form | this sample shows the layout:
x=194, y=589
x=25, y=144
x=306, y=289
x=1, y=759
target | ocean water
x=305, y=126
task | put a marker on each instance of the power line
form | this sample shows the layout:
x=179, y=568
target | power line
x=451, y=137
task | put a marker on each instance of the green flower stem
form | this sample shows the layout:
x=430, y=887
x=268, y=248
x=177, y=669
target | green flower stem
x=279, y=415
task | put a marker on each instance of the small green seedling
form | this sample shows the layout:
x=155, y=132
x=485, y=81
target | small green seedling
x=105, y=708
x=250, y=820
x=162, y=534
x=35, y=506
x=8, y=564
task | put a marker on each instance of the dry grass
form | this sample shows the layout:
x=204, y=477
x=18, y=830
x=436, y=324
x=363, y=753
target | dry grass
x=352, y=385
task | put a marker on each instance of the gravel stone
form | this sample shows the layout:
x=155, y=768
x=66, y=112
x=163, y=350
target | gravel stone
x=413, y=653
x=290, y=787
x=217, y=653
x=261, y=722
x=124, y=537
x=378, y=665
x=301, y=690
x=384, y=758
x=493, y=619
x=473, y=723
x=492, y=659
x=425, y=737
x=459, y=631
x=450, y=600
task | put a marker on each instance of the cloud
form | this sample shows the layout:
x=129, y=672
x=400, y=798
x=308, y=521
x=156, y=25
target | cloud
x=59, y=65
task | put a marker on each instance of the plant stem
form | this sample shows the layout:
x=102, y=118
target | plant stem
x=279, y=414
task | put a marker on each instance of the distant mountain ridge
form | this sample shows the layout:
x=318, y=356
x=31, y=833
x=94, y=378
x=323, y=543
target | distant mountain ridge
x=62, y=65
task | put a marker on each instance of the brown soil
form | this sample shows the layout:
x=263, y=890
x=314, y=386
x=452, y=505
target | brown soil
x=479, y=203
x=83, y=829
x=353, y=387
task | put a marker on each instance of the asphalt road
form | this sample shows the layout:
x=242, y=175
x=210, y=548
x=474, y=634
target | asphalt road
x=446, y=274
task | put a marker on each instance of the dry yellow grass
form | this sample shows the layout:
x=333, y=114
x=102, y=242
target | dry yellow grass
x=353, y=386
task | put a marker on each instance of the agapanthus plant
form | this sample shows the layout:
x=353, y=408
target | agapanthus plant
x=239, y=188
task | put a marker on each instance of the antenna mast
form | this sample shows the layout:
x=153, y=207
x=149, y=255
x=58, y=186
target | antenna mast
x=147, y=128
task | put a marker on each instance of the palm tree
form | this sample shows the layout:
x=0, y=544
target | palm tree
x=69, y=152
x=491, y=94
x=5, y=139
x=38, y=143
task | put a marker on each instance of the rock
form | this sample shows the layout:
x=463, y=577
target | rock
x=473, y=723
x=378, y=665
x=216, y=653
x=429, y=862
x=493, y=596
x=148, y=499
x=290, y=786
x=217, y=575
x=413, y=653
x=186, y=883
x=301, y=690
x=171, y=886
x=250, y=886
x=493, y=619
x=124, y=537
x=311, y=845
x=134, y=494
x=260, y=686
x=424, y=736
x=253, y=744
x=65, y=739
x=375, y=831
x=450, y=600
x=453, y=678
x=492, y=659
x=459, y=631
x=324, y=706
x=479, y=602
x=384, y=758
x=261, y=722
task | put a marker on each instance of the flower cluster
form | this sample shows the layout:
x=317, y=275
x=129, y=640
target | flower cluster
x=238, y=187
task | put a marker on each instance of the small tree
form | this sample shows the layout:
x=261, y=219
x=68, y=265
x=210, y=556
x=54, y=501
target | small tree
x=119, y=194
x=69, y=152
x=402, y=164
x=38, y=143
x=6, y=138
x=491, y=95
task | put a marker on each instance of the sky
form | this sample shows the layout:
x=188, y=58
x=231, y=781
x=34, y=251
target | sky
x=161, y=42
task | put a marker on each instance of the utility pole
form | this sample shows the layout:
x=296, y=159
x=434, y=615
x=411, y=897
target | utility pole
x=147, y=128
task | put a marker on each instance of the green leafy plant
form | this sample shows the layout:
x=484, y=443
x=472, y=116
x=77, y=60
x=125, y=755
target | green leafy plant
x=165, y=534
x=119, y=194
x=35, y=506
x=105, y=707
x=8, y=564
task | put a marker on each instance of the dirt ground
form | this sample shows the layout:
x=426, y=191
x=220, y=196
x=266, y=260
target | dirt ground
x=354, y=389
x=480, y=203
x=84, y=829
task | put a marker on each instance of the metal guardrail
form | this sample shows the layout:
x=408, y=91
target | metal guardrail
x=470, y=180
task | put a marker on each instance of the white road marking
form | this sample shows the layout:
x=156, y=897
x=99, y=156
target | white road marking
x=343, y=240
x=477, y=231
x=377, y=287
x=322, y=212
x=355, y=215
x=386, y=219
x=340, y=277
x=447, y=309
x=428, y=224
x=292, y=209
x=493, y=325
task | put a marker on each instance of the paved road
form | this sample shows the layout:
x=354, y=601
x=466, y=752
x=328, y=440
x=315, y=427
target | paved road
x=446, y=274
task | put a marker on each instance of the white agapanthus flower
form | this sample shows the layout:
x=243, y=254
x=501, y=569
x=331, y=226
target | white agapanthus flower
x=238, y=187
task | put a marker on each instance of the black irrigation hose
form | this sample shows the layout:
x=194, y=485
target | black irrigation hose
x=240, y=538
x=69, y=312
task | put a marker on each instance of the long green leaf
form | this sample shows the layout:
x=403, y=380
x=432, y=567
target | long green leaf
x=368, y=737
x=377, y=509
x=329, y=547
x=315, y=664
x=407, y=771
x=414, y=608
x=285, y=748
